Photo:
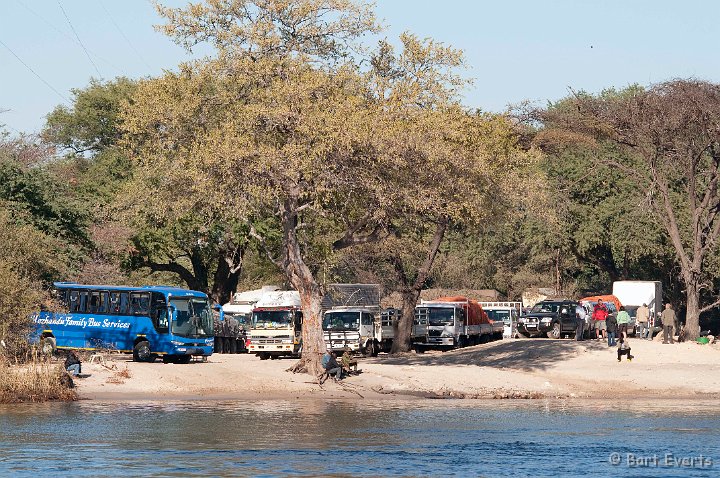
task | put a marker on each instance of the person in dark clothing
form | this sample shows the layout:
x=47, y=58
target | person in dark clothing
x=624, y=349
x=72, y=364
x=331, y=366
x=612, y=328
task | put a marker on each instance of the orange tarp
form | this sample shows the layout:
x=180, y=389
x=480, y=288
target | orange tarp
x=473, y=310
x=604, y=298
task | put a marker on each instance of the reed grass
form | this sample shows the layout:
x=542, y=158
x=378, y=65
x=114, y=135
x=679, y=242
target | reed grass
x=37, y=380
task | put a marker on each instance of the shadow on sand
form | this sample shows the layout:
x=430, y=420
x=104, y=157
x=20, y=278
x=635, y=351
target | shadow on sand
x=521, y=354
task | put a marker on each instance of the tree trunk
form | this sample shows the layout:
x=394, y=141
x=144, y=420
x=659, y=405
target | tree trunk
x=227, y=274
x=311, y=293
x=411, y=292
x=403, y=327
x=692, y=313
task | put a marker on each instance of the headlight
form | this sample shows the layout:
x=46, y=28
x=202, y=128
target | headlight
x=175, y=342
x=546, y=319
x=446, y=334
x=288, y=341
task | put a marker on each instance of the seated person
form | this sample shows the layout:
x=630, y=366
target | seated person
x=624, y=349
x=72, y=364
x=331, y=366
x=348, y=362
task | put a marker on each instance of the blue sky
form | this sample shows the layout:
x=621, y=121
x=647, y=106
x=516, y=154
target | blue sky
x=516, y=50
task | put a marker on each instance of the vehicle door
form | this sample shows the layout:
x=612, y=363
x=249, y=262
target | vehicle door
x=566, y=313
x=420, y=323
x=367, y=325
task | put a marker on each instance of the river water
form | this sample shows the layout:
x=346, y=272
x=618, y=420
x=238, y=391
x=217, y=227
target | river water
x=369, y=438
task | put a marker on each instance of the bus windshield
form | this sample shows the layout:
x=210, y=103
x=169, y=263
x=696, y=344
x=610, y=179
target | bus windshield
x=272, y=319
x=193, y=318
x=441, y=316
x=341, y=321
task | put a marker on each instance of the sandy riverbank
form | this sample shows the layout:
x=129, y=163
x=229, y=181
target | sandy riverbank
x=524, y=368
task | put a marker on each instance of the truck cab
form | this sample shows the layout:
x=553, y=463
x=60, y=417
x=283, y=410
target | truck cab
x=277, y=325
x=366, y=330
x=505, y=313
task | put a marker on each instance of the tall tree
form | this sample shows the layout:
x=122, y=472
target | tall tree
x=275, y=127
x=671, y=136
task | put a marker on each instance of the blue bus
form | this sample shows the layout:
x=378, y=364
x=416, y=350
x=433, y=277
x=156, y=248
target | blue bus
x=149, y=321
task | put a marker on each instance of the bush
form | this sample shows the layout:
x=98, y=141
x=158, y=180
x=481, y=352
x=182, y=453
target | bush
x=35, y=381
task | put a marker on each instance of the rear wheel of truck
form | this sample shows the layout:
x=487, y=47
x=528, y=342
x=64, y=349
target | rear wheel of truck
x=555, y=332
x=370, y=349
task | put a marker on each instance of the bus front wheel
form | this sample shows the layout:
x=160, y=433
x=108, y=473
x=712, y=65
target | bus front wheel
x=141, y=352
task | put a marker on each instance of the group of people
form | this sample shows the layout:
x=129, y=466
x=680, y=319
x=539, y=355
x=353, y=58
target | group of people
x=615, y=327
x=347, y=366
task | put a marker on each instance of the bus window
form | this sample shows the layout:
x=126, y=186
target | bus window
x=114, y=303
x=83, y=302
x=104, y=306
x=140, y=303
x=124, y=303
x=74, y=302
x=94, y=304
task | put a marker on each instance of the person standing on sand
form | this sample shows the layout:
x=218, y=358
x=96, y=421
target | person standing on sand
x=668, y=322
x=600, y=313
x=612, y=326
x=623, y=319
x=641, y=318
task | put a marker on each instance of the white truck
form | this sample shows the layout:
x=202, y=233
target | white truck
x=634, y=293
x=276, y=325
x=366, y=330
x=506, y=312
x=452, y=322
x=241, y=309
x=353, y=319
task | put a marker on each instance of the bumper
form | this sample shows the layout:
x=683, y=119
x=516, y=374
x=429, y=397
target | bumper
x=441, y=341
x=191, y=350
x=534, y=328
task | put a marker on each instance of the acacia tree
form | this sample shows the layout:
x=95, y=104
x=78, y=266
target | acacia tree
x=277, y=126
x=671, y=134
x=447, y=168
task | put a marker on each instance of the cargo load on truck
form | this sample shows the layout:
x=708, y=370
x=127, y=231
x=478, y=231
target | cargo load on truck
x=454, y=321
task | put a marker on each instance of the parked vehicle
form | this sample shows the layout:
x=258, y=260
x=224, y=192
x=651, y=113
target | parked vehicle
x=277, y=325
x=148, y=321
x=453, y=322
x=552, y=318
x=506, y=312
x=366, y=330
x=634, y=293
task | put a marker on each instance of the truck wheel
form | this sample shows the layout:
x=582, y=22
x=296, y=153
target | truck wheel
x=555, y=332
x=370, y=349
x=264, y=356
x=47, y=346
x=141, y=352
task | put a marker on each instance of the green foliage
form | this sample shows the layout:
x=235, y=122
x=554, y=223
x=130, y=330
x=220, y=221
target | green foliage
x=92, y=124
x=39, y=198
